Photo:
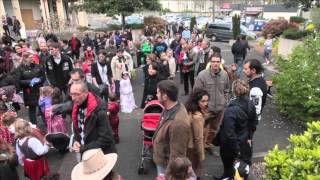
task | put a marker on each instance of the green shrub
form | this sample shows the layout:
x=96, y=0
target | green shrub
x=112, y=27
x=193, y=22
x=301, y=160
x=235, y=26
x=297, y=19
x=275, y=27
x=82, y=28
x=297, y=84
x=261, y=41
x=134, y=26
x=156, y=22
x=294, y=34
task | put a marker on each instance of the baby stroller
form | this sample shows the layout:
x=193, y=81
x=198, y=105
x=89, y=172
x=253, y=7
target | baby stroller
x=56, y=132
x=149, y=124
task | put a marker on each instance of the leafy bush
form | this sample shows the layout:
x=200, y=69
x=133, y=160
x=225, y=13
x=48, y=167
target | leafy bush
x=297, y=19
x=82, y=28
x=235, y=26
x=300, y=161
x=275, y=45
x=193, y=22
x=275, y=27
x=112, y=27
x=297, y=84
x=261, y=41
x=156, y=22
x=294, y=34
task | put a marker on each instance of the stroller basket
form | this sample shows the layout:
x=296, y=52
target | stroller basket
x=150, y=122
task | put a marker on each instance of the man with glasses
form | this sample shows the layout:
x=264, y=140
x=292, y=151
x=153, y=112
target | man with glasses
x=77, y=75
x=91, y=125
x=216, y=82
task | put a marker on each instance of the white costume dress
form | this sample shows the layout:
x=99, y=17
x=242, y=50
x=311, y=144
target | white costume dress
x=127, y=101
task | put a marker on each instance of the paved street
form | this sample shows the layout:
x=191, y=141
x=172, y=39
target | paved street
x=271, y=130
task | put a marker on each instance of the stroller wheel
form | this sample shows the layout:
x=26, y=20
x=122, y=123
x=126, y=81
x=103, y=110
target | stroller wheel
x=141, y=169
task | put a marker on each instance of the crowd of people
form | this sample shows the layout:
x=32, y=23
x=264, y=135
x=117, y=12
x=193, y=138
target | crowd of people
x=89, y=80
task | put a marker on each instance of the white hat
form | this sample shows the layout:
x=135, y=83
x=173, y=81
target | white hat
x=94, y=165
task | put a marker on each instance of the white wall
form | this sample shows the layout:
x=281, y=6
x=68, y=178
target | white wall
x=187, y=5
x=276, y=15
x=25, y=4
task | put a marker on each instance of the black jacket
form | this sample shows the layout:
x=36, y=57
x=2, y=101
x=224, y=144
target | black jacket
x=52, y=37
x=98, y=132
x=238, y=125
x=150, y=87
x=239, y=49
x=43, y=56
x=59, y=74
x=78, y=45
x=24, y=74
x=164, y=70
x=7, y=80
x=8, y=169
x=260, y=83
x=87, y=42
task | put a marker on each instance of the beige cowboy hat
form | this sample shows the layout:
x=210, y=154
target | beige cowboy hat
x=94, y=165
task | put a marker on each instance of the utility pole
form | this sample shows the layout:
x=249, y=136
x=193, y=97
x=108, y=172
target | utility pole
x=213, y=11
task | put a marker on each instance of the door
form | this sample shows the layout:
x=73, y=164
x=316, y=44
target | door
x=27, y=18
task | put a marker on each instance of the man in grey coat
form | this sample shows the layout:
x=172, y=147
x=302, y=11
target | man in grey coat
x=216, y=81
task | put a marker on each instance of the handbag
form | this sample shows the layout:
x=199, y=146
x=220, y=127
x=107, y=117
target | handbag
x=133, y=74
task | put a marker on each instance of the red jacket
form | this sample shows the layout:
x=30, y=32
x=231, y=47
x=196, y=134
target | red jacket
x=113, y=108
x=97, y=129
x=92, y=104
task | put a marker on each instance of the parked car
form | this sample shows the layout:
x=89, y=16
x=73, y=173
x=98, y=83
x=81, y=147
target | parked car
x=223, y=31
x=134, y=20
x=259, y=24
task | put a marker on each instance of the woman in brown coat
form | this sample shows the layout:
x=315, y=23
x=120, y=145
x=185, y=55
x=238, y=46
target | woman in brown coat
x=197, y=106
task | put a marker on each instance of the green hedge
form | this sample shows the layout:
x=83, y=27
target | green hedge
x=297, y=19
x=294, y=34
x=300, y=161
x=112, y=27
x=297, y=84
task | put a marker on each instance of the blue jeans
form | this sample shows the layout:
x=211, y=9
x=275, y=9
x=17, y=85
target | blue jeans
x=161, y=170
x=239, y=61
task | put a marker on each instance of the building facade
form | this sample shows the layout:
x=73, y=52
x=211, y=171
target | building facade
x=41, y=14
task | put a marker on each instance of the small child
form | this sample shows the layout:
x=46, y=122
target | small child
x=49, y=97
x=86, y=68
x=31, y=152
x=127, y=101
x=180, y=169
x=5, y=134
x=172, y=64
x=89, y=55
x=56, y=129
x=113, y=110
